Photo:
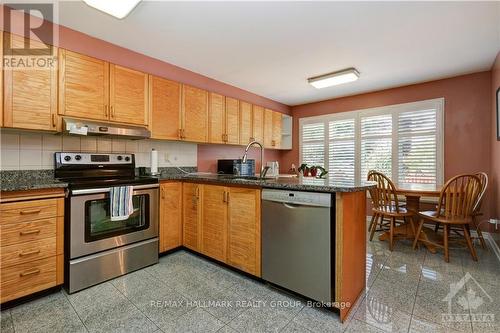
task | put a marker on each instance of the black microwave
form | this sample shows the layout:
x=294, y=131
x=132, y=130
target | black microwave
x=236, y=167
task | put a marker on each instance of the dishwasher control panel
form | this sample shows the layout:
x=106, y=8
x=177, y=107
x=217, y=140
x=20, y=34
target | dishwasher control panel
x=298, y=197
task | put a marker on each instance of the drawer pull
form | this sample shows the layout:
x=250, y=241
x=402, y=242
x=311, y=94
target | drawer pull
x=30, y=211
x=27, y=253
x=32, y=272
x=30, y=232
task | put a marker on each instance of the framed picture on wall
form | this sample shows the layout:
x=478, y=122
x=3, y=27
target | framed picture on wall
x=498, y=114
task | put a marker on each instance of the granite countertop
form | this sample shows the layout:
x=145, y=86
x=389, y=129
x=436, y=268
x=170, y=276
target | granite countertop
x=21, y=180
x=283, y=183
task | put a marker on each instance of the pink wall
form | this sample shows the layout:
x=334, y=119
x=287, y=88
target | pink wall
x=79, y=42
x=495, y=145
x=209, y=154
x=467, y=119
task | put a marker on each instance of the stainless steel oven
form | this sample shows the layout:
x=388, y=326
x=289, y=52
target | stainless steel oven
x=98, y=248
x=91, y=228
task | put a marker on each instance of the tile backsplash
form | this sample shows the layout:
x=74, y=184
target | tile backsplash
x=22, y=150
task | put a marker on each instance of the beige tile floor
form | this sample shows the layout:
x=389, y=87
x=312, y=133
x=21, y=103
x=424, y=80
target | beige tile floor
x=405, y=292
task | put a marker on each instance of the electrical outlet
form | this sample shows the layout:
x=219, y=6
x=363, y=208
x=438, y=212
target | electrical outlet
x=167, y=157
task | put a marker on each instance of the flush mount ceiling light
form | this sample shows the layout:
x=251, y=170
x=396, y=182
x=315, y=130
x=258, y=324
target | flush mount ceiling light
x=335, y=78
x=116, y=8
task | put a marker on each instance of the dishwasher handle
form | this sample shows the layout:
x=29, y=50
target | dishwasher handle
x=293, y=205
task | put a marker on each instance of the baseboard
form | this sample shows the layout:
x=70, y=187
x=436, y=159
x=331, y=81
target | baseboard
x=493, y=245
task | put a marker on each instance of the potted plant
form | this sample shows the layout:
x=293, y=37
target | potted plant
x=304, y=168
x=314, y=170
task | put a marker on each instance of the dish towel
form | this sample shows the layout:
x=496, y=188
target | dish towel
x=121, y=205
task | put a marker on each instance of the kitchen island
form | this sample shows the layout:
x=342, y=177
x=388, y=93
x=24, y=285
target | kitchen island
x=350, y=223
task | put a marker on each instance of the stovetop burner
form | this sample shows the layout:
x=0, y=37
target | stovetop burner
x=84, y=170
x=107, y=182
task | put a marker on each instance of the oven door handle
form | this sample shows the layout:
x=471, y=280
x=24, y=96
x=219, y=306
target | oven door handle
x=107, y=189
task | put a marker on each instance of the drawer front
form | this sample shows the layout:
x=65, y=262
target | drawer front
x=28, y=278
x=26, y=252
x=24, y=211
x=27, y=231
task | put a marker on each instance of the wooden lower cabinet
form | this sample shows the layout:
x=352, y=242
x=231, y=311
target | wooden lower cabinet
x=32, y=245
x=214, y=222
x=170, y=216
x=243, y=231
x=223, y=223
x=191, y=215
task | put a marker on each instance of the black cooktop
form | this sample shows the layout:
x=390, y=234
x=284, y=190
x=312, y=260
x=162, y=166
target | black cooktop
x=107, y=182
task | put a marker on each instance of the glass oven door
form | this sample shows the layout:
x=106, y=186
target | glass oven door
x=91, y=229
x=98, y=224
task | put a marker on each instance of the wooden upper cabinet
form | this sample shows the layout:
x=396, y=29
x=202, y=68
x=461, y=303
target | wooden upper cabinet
x=128, y=95
x=165, y=101
x=246, y=132
x=195, y=114
x=216, y=116
x=170, y=216
x=277, y=124
x=244, y=250
x=268, y=128
x=30, y=100
x=214, y=222
x=258, y=123
x=83, y=86
x=232, y=121
x=191, y=215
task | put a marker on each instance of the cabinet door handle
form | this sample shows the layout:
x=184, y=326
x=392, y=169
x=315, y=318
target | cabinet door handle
x=197, y=193
x=180, y=133
x=227, y=197
x=106, y=110
x=27, y=253
x=163, y=193
x=30, y=232
x=32, y=272
x=54, y=121
x=30, y=211
x=112, y=111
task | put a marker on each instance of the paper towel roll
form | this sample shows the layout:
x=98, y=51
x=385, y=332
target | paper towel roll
x=154, y=162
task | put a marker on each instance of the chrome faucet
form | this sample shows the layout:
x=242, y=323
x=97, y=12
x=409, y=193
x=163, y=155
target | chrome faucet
x=263, y=169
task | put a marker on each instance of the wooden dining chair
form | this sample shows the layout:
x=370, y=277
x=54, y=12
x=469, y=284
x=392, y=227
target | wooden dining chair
x=386, y=205
x=456, y=204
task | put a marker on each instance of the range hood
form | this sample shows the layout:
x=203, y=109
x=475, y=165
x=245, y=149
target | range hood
x=85, y=127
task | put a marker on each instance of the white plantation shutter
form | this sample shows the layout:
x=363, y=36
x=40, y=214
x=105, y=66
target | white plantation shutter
x=376, y=144
x=403, y=141
x=417, y=147
x=313, y=144
x=341, y=154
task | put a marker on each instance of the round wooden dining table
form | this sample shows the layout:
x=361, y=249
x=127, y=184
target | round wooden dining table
x=413, y=193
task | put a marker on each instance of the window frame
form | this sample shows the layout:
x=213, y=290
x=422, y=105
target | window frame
x=438, y=104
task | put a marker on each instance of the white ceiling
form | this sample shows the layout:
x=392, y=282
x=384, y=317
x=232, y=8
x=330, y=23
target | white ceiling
x=271, y=48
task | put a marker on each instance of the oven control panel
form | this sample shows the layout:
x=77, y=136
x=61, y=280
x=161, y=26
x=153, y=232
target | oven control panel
x=95, y=158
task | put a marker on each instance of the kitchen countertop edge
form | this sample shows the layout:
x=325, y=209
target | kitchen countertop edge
x=278, y=183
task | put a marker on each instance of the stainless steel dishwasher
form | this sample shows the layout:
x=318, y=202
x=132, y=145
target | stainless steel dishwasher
x=297, y=237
